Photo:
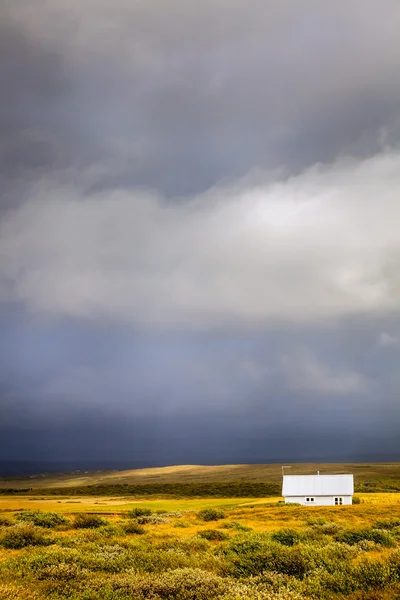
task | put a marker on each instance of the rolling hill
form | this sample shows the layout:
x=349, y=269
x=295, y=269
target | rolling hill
x=368, y=477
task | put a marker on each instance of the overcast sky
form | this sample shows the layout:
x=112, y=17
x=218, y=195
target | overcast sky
x=199, y=230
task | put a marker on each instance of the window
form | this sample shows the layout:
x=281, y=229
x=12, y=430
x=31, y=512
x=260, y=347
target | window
x=338, y=501
x=309, y=499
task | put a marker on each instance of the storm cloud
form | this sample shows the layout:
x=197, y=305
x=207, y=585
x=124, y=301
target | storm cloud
x=199, y=230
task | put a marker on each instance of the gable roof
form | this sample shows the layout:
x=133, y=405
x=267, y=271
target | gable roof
x=317, y=485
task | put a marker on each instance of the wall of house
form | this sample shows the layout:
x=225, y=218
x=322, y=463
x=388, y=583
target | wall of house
x=318, y=500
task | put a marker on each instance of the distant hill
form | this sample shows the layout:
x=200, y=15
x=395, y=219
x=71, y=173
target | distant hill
x=368, y=477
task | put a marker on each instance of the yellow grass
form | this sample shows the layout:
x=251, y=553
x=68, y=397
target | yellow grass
x=382, y=498
x=258, y=514
x=111, y=505
x=203, y=474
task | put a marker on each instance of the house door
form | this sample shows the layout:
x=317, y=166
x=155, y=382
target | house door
x=338, y=501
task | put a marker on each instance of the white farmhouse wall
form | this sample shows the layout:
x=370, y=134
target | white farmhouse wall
x=323, y=488
x=318, y=500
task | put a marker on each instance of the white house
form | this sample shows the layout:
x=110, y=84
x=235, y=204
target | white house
x=318, y=490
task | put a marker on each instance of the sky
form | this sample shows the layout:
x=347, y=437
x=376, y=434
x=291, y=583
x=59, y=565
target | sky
x=199, y=231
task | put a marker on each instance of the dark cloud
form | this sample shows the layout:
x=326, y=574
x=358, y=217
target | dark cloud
x=181, y=95
x=88, y=394
x=180, y=278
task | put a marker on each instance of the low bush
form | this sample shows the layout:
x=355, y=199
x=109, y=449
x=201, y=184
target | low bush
x=88, y=521
x=387, y=524
x=11, y=591
x=372, y=574
x=182, y=524
x=356, y=500
x=62, y=572
x=252, y=554
x=5, y=522
x=133, y=527
x=139, y=512
x=152, y=520
x=354, y=536
x=213, y=535
x=42, y=518
x=394, y=565
x=182, y=584
x=287, y=537
x=328, y=529
x=210, y=514
x=22, y=535
x=227, y=489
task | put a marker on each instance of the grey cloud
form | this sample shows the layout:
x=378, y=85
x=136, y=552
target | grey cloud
x=306, y=373
x=170, y=237
x=388, y=341
x=180, y=95
x=87, y=391
x=241, y=256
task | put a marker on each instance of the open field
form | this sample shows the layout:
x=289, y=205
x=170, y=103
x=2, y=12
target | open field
x=59, y=539
x=109, y=505
x=377, y=474
x=101, y=504
x=96, y=548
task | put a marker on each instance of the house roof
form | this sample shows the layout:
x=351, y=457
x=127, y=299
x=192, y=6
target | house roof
x=317, y=485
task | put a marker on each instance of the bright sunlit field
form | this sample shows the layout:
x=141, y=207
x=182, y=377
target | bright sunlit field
x=120, y=548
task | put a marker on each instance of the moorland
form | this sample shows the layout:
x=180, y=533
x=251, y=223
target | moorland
x=137, y=539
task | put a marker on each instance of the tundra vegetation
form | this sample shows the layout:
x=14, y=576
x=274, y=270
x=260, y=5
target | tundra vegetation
x=197, y=533
x=204, y=549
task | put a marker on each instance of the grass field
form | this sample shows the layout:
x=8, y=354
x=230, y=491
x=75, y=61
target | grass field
x=376, y=475
x=198, y=549
x=108, y=505
x=119, y=547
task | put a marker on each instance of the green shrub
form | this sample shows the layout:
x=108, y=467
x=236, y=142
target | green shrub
x=182, y=524
x=210, y=514
x=354, y=536
x=213, y=535
x=139, y=512
x=42, y=518
x=227, y=489
x=356, y=500
x=11, y=591
x=22, y=535
x=372, y=574
x=387, y=524
x=287, y=537
x=329, y=529
x=182, y=584
x=5, y=522
x=152, y=520
x=87, y=521
x=133, y=527
x=253, y=554
x=394, y=565
x=62, y=572
x=321, y=584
